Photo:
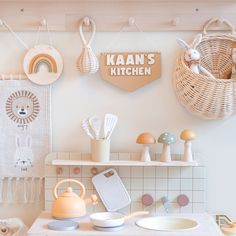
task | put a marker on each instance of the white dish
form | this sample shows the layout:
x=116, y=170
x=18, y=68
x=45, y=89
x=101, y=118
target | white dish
x=112, y=219
x=167, y=223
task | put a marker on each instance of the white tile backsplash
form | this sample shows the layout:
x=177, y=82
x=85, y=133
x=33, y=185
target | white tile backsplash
x=161, y=172
x=161, y=184
x=173, y=184
x=186, y=184
x=149, y=183
x=199, y=184
x=137, y=172
x=156, y=181
x=174, y=172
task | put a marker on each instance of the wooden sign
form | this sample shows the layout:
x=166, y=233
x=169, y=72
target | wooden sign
x=130, y=70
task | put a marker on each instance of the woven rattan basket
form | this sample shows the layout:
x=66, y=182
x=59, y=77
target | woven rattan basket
x=210, y=98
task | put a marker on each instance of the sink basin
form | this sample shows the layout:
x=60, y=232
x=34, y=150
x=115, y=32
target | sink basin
x=167, y=223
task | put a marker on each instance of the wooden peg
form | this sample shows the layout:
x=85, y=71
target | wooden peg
x=59, y=170
x=76, y=170
x=94, y=171
x=131, y=21
x=175, y=21
x=43, y=22
x=147, y=200
x=86, y=20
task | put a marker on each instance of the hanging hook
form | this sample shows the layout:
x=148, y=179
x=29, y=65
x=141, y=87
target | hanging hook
x=131, y=21
x=175, y=21
x=86, y=20
x=43, y=22
x=220, y=20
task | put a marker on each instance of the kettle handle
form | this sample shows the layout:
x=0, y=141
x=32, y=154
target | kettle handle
x=82, y=193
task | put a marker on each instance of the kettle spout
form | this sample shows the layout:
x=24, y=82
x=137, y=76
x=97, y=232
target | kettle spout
x=92, y=198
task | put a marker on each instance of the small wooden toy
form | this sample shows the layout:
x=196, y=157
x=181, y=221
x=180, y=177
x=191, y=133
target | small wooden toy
x=187, y=135
x=146, y=139
x=166, y=139
x=192, y=56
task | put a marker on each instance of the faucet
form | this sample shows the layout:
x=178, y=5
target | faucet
x=223, y=219
x=166, y=204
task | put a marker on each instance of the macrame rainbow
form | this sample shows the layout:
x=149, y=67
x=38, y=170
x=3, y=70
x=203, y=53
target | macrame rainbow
x=40, y=59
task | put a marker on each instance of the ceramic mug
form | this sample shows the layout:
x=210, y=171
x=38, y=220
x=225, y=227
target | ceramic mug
x=100, y=150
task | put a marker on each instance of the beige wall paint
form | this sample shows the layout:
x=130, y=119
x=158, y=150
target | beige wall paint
x=153, y=108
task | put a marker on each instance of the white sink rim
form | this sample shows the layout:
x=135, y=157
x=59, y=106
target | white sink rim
x=147, y=223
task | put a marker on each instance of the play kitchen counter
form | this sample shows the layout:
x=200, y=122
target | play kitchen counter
x=207, y=227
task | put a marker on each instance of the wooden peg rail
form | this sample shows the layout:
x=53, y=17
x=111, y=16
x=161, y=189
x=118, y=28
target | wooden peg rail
x=112, y=15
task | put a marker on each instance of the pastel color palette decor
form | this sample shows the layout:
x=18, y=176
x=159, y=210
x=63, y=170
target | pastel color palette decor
x=43, y=64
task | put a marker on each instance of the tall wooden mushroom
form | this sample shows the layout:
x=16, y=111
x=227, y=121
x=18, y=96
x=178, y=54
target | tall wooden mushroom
x=166, y=139
x=146, y=139
x=187, y=135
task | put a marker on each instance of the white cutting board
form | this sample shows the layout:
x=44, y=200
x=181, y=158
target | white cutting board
x=111, y=190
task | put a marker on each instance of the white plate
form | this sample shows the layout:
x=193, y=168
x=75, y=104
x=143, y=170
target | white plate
x=167, y=223
x=43, y=64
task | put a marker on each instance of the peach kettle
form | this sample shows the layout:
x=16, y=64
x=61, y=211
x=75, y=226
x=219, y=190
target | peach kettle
x=69, y=204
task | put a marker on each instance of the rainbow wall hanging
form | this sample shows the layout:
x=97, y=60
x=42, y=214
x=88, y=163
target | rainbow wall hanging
x=43, y=64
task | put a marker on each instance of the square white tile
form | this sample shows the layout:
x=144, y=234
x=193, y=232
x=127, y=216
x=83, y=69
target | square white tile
x=137, y=172
x=86, y=171
x=136, y=195
x=199, y=184
x=135, y=156
x=174, y=172
x=187, y=209
x=172, y=195
x=186, y=184
x=149, y=184
x=189, y=194
x=149, y=172
x=160, y=195
x=124, y=156
x=136, y=183
x=125, y=171
x=136, y=206
x=126, y=182
x=75, y=156
x=198, y=196
x=199, y=172
x=173, y=184
x=199, y=207
x=186, y=172
x=161, y=184
x=114, y=156
x=161, y=172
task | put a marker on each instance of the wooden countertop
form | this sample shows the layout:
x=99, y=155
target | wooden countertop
x=207, y=227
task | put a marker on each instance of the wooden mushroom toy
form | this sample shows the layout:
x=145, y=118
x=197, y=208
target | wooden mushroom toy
x=146, y=139
x=187, y=135
x=166, y=139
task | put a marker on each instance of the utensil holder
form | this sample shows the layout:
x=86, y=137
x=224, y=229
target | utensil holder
x=100, y=150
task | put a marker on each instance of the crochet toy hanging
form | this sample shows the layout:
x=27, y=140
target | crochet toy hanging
x=87, y=61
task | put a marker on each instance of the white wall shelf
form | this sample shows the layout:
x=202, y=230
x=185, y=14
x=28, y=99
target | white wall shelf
x=150, y=15
x=122, y=163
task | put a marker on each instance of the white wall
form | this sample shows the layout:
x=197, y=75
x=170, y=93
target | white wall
x=153, y=108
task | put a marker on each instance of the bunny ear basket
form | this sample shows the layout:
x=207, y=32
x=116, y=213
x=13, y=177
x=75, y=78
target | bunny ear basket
x=205, y=73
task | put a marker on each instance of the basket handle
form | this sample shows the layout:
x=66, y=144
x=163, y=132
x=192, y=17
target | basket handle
x=217, y=20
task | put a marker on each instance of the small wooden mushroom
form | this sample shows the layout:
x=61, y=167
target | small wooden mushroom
x=166, y=139
x=187, y=135
x=146, y=139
